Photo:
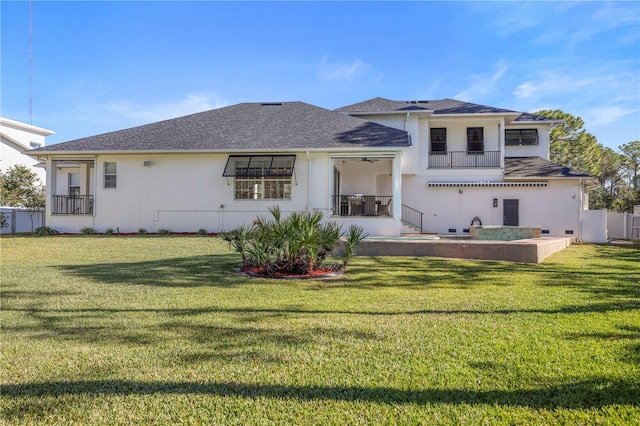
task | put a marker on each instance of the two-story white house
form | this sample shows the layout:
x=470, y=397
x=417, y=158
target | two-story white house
x=389, y=166
x=16, y=138
x=475, y=164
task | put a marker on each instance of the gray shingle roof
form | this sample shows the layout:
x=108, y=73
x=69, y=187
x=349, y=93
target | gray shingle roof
x=246, y=126
x=438, y=107
x=536, y=167
x=525, y=116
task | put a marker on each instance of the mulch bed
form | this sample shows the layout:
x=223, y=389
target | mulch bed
x=315, y=274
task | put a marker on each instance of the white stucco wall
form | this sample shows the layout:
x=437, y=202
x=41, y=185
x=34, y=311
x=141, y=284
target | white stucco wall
x=181, y=193
x=415, y=159
x=16, y=138
x=540, y=150
x=555, y=208
x=187, y=192
x=363, y=177
x=457, y=132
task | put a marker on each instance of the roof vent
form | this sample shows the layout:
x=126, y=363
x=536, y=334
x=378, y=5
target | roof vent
x=271, y=104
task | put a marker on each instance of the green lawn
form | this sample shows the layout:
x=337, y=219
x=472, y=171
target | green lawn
x=160, y=330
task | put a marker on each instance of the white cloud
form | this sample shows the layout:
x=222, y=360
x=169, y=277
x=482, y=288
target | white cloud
x=148, y=113
x=554, y=82
x=581, y=84
x=509, y=18
x=602, y=96
x=482, y=85
x=605, y=115
x=342, y=70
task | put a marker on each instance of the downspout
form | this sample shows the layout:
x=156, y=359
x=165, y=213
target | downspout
x=406, y=122
x=95, y=187
x=580, y=211
x=48, y=189
x=308, y=180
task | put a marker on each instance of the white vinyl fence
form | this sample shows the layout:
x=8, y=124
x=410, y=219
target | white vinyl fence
x=619, y=225
x=20, y=221
x=594, y=226
x=599, y=226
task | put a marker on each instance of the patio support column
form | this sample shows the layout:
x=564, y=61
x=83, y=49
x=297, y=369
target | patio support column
x=501, y=142
x=84, y=179
x=52, y=184
x=396, y=182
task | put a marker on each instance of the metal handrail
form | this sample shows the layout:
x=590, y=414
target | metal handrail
x=361, y=205
x=72, y=204
x=412, y=217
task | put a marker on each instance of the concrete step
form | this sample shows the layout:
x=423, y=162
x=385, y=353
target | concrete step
x=407, y=229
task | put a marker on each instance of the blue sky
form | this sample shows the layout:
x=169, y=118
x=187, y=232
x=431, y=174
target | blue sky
x=103, y=66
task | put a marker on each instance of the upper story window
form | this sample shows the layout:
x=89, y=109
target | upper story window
x=261, y=177
x=110, y=175
x=475, y=139
x=517, y=137
x=438, y=140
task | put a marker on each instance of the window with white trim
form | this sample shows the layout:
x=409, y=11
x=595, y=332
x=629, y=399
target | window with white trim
x=519, y=137
x=74, y=184
x=261, y=177
x=110, y=174
x=475, y=140
x=439, y=140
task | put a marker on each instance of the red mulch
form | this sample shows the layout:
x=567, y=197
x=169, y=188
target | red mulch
x=316, y=273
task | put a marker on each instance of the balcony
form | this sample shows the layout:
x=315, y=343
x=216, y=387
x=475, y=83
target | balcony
x=72, y=204
x=362, y=205
x=464, y=159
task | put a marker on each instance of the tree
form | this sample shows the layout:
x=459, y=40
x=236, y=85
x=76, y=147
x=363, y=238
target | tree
x=571, y=145
x=609, y=178
x=20, y=187
x=631, y=151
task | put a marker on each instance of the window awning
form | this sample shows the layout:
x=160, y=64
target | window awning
x=259, y=166
x=490, y=184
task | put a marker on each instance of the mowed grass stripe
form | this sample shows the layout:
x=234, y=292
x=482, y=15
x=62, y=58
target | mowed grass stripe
x=160, y=330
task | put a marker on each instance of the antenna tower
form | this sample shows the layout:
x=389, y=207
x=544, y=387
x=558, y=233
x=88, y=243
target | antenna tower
x=30, y=58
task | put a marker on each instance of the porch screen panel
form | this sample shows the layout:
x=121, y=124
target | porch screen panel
x=259, y=166
x=261, y=176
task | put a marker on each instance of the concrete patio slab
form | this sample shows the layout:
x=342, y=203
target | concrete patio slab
x=533, y=250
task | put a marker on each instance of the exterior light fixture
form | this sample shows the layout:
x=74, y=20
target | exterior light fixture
x=495, y=202
x=146, y=163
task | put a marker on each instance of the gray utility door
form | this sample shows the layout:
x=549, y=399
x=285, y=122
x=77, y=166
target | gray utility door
x=510, y=212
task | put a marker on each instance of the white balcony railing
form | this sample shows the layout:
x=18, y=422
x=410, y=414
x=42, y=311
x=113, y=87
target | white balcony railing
x=464, y=159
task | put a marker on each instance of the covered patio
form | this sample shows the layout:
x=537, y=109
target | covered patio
x=366, y=185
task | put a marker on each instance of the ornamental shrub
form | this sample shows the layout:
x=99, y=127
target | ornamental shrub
x=297, y=244
x=43, y=231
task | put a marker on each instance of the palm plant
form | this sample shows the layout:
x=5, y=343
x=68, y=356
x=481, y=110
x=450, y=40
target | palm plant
x=238, y=239
x=353, y=239
x=297, y=244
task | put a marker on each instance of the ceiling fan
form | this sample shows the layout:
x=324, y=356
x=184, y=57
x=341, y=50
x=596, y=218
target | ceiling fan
x=370, y=160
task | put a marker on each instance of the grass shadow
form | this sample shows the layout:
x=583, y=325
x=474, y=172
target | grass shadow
x=210, y=270
x=595, y=393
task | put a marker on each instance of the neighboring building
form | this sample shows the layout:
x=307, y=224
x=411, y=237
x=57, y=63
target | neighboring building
x=17, y=138
x=438, y=165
